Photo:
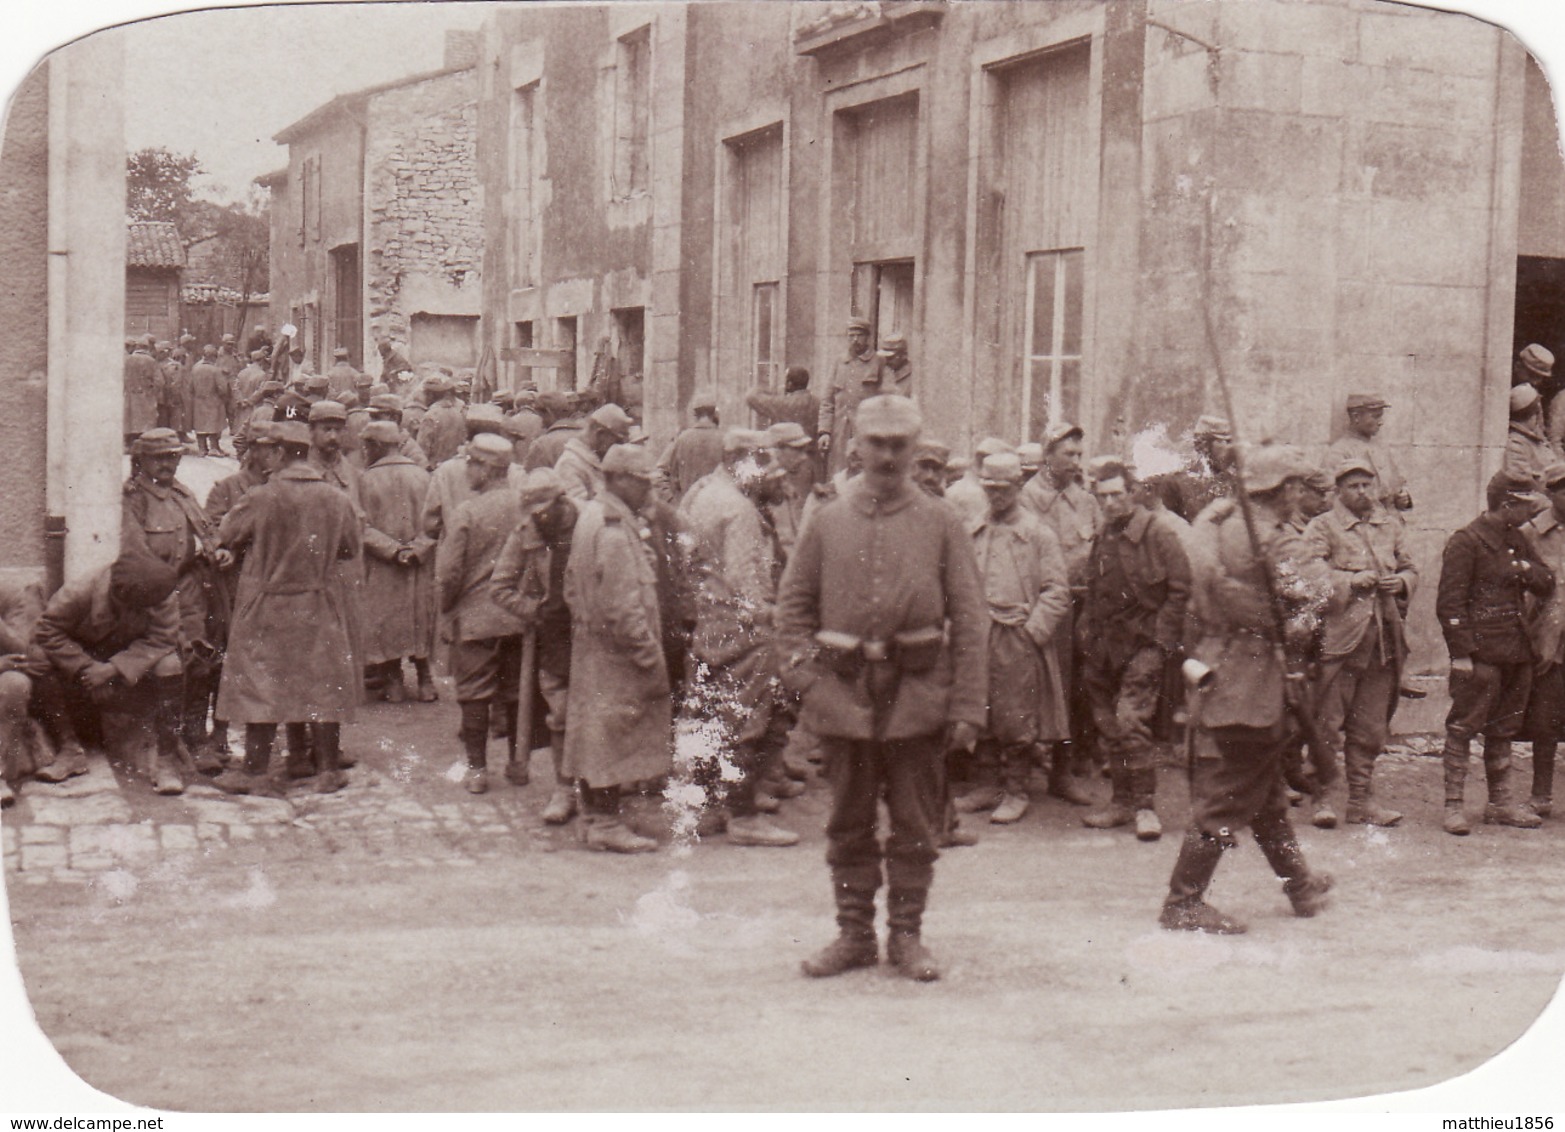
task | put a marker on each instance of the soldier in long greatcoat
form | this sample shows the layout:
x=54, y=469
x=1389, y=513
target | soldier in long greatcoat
x=619, y=720
x=209, y=401
x=290, y=656
x=142, y=379
x=398, y=565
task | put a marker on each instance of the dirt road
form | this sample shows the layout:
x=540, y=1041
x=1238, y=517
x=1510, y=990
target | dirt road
x=512, y=970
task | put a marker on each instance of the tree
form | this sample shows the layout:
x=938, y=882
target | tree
x=158, y=184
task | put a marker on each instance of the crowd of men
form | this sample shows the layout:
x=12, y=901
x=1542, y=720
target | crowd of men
x=833, y=588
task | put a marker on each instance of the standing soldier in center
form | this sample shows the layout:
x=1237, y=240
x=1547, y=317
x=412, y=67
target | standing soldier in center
x=209, y=395
x=881, y=619
x=856, y=377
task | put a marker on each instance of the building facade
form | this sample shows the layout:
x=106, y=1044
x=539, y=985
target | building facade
x=154, y=266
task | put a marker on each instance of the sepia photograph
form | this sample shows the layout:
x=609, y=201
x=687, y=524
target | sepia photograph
x=721, y=556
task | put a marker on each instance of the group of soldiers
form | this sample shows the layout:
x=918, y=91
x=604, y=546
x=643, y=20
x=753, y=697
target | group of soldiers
x=834, y=588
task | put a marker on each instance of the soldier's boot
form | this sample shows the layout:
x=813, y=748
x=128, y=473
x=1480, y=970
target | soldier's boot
x=196, y=698
x=1119, y=810
x=516, y=754
x=1502, y=808
x=562, y=803
x=1062, y=783
x=328, y=744
x=1306, y=890
x=475, y=742
x=426, y=683
x=1454, y=760
x=1542, y=802
x=253, y=776
x=905, y=950
x=855, y=946
x=1014, y=800
x=167, y=713
x=301, y=759
x=1184, y=910
x=1143, y=784
x=606, y=831
x=1362, y=807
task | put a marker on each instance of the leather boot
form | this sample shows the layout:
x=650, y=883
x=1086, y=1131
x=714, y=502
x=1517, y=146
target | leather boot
x=606, y=832
x=905, y=950
x=1306, y=890
x=167, y=714
x=254, y=776
x=193, y=723
x=301, y=759
x=1454, y=758
x=562, y=803
x=475, y=740
x=516, y=771
x=1143, y=795
x=1542, y=802
x=855, y=946
x=426, y=684
x=1184, y=909
x=328, y=745
x=1502, y=810
x=1062, y=783
x=1362, y=807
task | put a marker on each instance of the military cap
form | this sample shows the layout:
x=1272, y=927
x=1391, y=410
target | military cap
x=1523, y=399
x=613, y=418
x=291, y=432
x=462, y=385
x=262, y=432
x=1518, y=485
x=555, y=402
x=1217, y=428
x=526, y=397
x=638, y=435
x=164, y=344
x=438, y=383
x=744, y=440
x=888, y=415
x=209, y=351
x=484, y=418
x=149, y=339
x=931, y=452
x=385, y=403
x=1553, y=476
x=788, y=434
x=362, y=381
x=1060, y=432
x=999, y=469
x=891, y=343
x=541, y=488
x=129, y=341
x=957, y=465
x=138, y=579
x=228, y=338
x=1318, y=480
x=257, y=355
x=991, y=446
x=1269, y=466
x=1030, y=454
x=1366, y=401
x=339, y=352
x=858, y=324
x=1537, y=360
x=379, y=389
x=186, y=337
x=1353, y=464
x=316, y=381
x=382, y=432
x=156, y=442
x=270, y=389
x=327, y=412
x=487, y=448
x=704, y=406
x=628, y=460
x=503, y=397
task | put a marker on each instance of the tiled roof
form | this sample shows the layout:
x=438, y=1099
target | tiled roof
x=153, y=243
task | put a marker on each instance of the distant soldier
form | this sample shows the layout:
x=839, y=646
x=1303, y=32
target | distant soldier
x=795, y=403
x=1487, y=572
x=291, y=655
x=881, y=619
x=486, y=652
x=896, y=372
x=791, y=447
x=247, y=385
x=142, y=382
x=529, y=582
x=1210, y=475
x=342, y=378
x=395, y=369
x=441, y=431
x=1545, y=721
x=561, y=424
x=1366, y=414
x=692, y=454
x=929, y=467
x=399, y=571
x=855, y=377
x=619, y=723
x=1527, y=451
x=1241, y=715
x=966, y=495
x=209, y=401
x=1363, y=646
x=580, y=465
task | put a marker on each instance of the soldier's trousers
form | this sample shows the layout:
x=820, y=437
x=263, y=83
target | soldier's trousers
x=1356, y=697
x=1124, y=707
x=1491, y=702
x=908, y=775
x=1236, y=781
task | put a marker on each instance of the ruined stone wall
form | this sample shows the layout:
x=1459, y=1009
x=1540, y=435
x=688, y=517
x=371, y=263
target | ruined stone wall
x=423, y=204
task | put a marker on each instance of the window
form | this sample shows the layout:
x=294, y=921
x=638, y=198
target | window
x=347, y=303
x=306, y=193
x=523, y=148
x=765, y=323
x=1051, y=340
x=632, y=113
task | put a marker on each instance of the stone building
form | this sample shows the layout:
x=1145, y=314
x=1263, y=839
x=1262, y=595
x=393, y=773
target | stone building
x=1067, y=207
x=377, y=220
x=62, y=256
x=154, y=266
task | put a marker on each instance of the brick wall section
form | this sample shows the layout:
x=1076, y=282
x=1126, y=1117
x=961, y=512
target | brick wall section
x=424, y=203
x=24, y=198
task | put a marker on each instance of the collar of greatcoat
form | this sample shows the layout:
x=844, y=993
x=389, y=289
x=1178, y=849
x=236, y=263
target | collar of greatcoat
x=302, y=470
x=1490, y=531
x=857, y=493
x=1546, y=523
x=1348, y=520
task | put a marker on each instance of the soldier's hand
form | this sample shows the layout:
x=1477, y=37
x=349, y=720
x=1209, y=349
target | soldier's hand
x=406, y=557
x=96, y=676
x=964, y=737
x=222, y=558
x=1462, y=664
x=824, y=443
x=1363, y=581
x=1392, y=584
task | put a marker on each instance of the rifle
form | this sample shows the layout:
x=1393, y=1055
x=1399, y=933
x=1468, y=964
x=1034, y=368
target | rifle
x=1296, y=698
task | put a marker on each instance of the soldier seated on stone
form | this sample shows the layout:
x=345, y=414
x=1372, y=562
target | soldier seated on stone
x=109, y=642
x=25, y=751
